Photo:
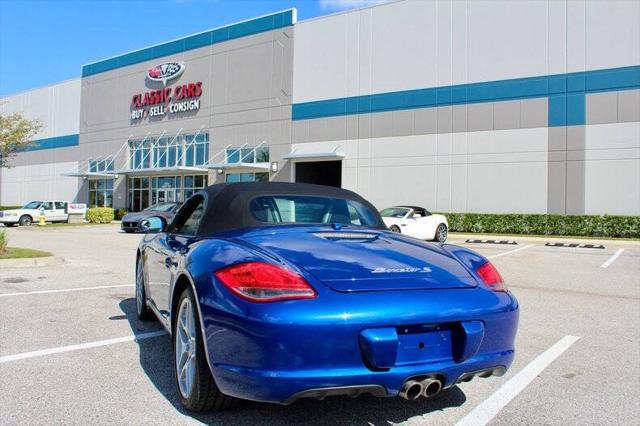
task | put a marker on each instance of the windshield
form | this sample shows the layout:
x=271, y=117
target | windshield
x=32, y=205
x=308, y=209
x=397, y=212
x=162, y=207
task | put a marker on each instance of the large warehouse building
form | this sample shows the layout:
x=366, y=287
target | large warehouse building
x=459, y=106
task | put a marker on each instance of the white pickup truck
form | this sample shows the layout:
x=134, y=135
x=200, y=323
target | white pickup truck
x=54, y=211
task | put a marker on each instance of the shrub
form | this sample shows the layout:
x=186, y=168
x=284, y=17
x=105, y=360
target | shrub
x=3, y=241
x=546, y=224
x=120, y=213
x=100, y=215
x=10, y=207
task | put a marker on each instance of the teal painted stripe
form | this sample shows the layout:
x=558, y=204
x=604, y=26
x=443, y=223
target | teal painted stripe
x=566, y=94
x=230, y=32
x=55, y=142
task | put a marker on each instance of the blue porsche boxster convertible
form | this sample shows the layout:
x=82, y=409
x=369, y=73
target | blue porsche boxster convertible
x=279, y=291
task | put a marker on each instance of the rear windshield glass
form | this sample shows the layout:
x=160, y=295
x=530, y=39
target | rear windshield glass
x=166, y=207
x=311, y=210
x=394, y=212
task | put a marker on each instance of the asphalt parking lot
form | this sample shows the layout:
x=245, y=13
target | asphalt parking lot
x=67, y=352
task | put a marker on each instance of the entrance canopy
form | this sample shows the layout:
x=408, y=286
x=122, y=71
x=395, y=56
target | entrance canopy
x=87, y=175
x=240, y=167
x=302, y=153
x=150, y=171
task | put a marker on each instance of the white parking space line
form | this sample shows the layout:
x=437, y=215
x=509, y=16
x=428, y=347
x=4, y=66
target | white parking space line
x=489, y=408
x=612, y=258
x=510, y=251
x=88, y=345
x=63, y=290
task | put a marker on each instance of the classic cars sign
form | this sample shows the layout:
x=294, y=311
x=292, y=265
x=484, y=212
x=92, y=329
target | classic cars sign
x=167, y=100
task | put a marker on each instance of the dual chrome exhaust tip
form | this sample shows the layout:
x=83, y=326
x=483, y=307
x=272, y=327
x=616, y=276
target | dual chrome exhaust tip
x=414, y=389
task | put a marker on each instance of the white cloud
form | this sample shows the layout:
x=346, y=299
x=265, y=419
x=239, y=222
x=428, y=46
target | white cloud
x=334, y=5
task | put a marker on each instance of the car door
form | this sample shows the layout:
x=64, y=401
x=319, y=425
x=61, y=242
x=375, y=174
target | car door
x=61, y=208
x=49, y=211
x=167, y=251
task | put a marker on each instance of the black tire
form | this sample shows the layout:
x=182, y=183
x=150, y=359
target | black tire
x=441, y=233
x=395, y=228
x=25, y=220
x=142, y=309
x=205, y=395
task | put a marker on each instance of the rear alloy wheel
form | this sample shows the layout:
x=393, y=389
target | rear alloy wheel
x=441, y=233
x=395, y=228
x=196, y=388
x=142, y=310
x=25, y=220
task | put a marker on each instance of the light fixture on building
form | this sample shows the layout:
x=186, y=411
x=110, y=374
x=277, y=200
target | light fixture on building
x=220, y=171
x=274, y=166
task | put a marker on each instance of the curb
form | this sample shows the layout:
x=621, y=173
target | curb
x=31, y=262
x=510, y=242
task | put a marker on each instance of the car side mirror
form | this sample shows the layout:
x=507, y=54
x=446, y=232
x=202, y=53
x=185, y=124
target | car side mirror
x=153, y=224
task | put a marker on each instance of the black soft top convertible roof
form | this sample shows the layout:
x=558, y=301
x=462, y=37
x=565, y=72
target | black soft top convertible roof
x=227, y=204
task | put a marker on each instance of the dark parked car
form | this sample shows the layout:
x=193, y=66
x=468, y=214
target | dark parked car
x=131, y=221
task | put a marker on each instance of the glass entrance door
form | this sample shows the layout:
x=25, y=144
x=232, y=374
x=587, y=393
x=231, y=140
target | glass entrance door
x=166, y=195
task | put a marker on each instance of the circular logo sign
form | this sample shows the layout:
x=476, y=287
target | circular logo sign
x=165, y=72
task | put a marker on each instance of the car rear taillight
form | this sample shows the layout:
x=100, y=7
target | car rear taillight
x=264, y=282
x=491, y=277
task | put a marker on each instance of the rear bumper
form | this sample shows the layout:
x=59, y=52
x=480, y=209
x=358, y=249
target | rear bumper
x=299, y=351
x=285, y=387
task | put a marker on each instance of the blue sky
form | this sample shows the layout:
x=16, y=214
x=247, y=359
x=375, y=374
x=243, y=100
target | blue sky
x=42, y=42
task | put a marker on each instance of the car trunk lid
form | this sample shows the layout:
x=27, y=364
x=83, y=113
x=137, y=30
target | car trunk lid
x=360, y=260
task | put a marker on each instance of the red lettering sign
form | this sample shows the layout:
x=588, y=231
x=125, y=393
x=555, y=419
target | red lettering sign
x=163, y=96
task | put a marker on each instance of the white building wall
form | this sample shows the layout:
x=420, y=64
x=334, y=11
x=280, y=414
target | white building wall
x=35, y=175
x=448, y=172
x=415, y=44
x=412, y=44
x=612, y=168
x=56, y=106
x=38, y=182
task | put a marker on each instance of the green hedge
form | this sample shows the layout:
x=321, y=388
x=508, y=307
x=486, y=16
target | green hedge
x=100, y=215
x=120, y=213
x=9, y=207
x=546, y=224
x=3, y=241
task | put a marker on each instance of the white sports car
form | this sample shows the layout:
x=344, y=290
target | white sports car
x=416, y=222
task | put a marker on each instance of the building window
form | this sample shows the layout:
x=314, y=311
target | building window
x=248, y=155
x=193, y=184
x=100, y=166
x=196, y=148
x=165, y=189
x=101, y=193
x=140, y=153
x=247, y=177
x=139, y=189
x=169, y=151
x=145, y=191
